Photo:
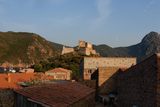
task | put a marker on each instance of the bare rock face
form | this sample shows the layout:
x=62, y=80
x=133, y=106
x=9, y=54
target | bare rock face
x=149, y=45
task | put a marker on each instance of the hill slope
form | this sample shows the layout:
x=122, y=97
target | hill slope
x=149, y=45
x=29, y=48
x=23, y=48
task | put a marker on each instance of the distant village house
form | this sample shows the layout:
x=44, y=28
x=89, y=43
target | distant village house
x=59, y=74
x=27, y=70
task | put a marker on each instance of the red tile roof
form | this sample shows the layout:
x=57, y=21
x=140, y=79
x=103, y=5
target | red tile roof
x=11, y=80
x=56, y=94
x=58, y=70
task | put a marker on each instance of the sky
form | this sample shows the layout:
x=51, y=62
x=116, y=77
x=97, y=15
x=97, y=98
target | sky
x=112, y=22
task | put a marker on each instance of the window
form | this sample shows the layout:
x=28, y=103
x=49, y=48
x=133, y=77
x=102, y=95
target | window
x=89, y=71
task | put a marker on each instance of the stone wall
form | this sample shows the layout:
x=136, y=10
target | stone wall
x=95, y=62
x=60, y=75
x=86, y=48
x=91, y=64
x=107, y=80
x=66, y=50
x=6, y=98
x=82, y=44
x=138, y=86
x=89, y=45
x=158, y=80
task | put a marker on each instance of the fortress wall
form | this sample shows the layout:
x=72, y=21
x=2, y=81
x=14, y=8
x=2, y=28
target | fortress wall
x=67, y=50
x=82, y=44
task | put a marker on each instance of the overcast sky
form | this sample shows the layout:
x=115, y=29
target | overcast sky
x=112, y=22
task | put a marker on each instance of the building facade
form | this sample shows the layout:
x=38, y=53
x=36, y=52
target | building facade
x=86, y=48
x=83, y=47
x=67, y=50
x=90, y=64
x=139, y=86
x=59, y=74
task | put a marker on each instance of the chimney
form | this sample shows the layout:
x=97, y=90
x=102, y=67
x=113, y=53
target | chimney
x=9, y=77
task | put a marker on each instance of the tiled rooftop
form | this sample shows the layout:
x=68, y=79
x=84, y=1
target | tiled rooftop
x=11, y=80
x=58, y=70
x=59, y=94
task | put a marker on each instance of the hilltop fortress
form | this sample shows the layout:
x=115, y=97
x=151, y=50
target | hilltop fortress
x=84, y=47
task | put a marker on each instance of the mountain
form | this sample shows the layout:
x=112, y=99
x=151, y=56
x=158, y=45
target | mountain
x=149, y=45
x=20, y=48
x=58, y=47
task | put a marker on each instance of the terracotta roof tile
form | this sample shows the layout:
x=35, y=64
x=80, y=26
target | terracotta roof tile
x=56, y=94
x=11, y=80
x=58, y=70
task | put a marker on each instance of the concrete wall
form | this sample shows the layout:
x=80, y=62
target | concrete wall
x=138, y=85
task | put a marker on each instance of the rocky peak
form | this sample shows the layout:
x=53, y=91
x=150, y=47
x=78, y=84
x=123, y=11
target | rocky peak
x=152, y=37
x=151, y=43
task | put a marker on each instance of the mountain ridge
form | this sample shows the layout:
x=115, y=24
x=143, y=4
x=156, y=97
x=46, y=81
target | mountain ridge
x=149, y=45
x=30, y=48
x=23, y=48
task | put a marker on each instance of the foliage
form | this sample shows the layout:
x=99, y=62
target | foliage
x=68, y=61
x=23, y=47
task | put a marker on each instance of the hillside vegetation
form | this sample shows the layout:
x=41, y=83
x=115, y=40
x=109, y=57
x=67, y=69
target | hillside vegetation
x=29, y=49
x=69, y=61
x=23, y=48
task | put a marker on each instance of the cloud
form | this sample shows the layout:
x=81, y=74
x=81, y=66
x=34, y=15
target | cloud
x=103, y=11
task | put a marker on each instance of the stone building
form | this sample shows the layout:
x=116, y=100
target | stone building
x=66, y=50
x=86, y=48
x=106, y=78
x=90, y=64
x=139, y=86
x=59, y=73
x=27, y=70
x=57, y=94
